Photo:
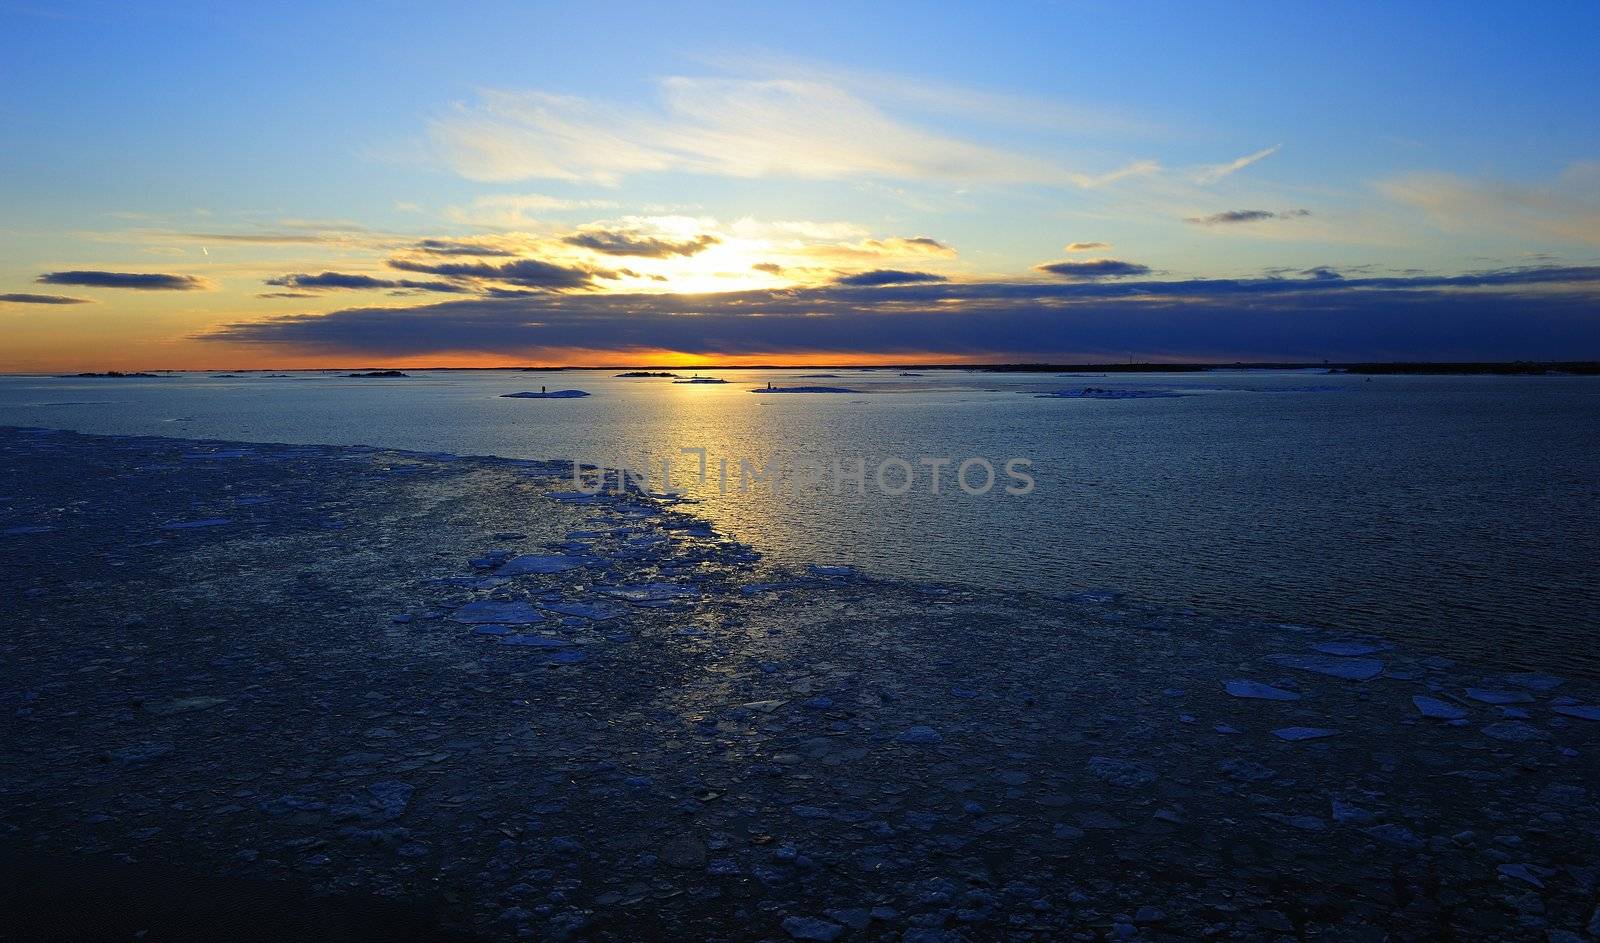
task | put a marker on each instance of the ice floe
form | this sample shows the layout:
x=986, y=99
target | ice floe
x=1437, y=709
x=1294, y=734
x=541, y=563
x=1494, y=696
x=1257, y=690
x=512, y=612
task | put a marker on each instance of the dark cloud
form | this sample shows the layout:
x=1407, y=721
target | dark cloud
x=285, y=294
x=352, y=281
x=23, y=298
x=459, y=247
x=528, y=273
x=143, y=281
x=1087, y=246
x=888, y=276
x=629, y=242
x=1321, y=272
x=1244, y=216
x=1094, y=268
x=1543, y=313
x=771, y=268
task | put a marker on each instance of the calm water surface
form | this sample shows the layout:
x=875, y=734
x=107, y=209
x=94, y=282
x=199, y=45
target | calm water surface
x=1460, y=514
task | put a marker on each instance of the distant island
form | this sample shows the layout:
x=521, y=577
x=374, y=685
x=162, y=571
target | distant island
x=379, y=373
x=645, y=373
x=552, y=394
x=115, y=375
x=700, y=379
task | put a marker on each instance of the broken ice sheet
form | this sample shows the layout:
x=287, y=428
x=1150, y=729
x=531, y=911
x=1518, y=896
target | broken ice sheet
x=515, y=612
x=1294, y=734
x=1583, y=711
x=1492, y=696
x=541, y=563
x=1437, y=709
x=1258, y=691
x=650, y=592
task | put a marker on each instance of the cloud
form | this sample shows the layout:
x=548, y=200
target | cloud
x=1564, y=209
x=1086, y=246
x=1321, y=272
x=460, y=247
x=142, y=281
x=24, y=298
x=518, y=210
x=634, y=243
x=884, y=276
x=527, y=273
x=1213, y=173
x=912, y=245
x=806, y=128
x=358, y=282
x=1532, y=313
x=1094, y=268
x=771, y=268
x=1229, y=217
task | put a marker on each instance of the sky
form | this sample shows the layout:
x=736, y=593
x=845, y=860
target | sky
x=220, y=185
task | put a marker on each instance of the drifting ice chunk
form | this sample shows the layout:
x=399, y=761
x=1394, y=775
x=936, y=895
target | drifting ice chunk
x=647, y=593
x=497, y=611
x=532, y=563
x=1121, y=772
x=1259, y=691
x=534, y=641
x=919, y=735
x=1437, y=709
x=831, y=572
x=1585, y=711
x=1513, y=731
x=1492, y=696
x=1293, y=734
x=583, y=610
x=1350, y=669
x=1534, y=681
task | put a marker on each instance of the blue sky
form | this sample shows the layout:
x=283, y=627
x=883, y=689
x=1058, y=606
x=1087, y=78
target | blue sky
x=238, y=146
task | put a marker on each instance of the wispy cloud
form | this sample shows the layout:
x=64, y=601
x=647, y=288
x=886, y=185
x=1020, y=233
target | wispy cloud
x=347, y=280
x=525, y=273
x=142, y=281
x=806, y=128
x=1086, y=246
x=633, y=242
x=1231, y=217
x=1565, y=209
x=23, y=298
x=1212, y=173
